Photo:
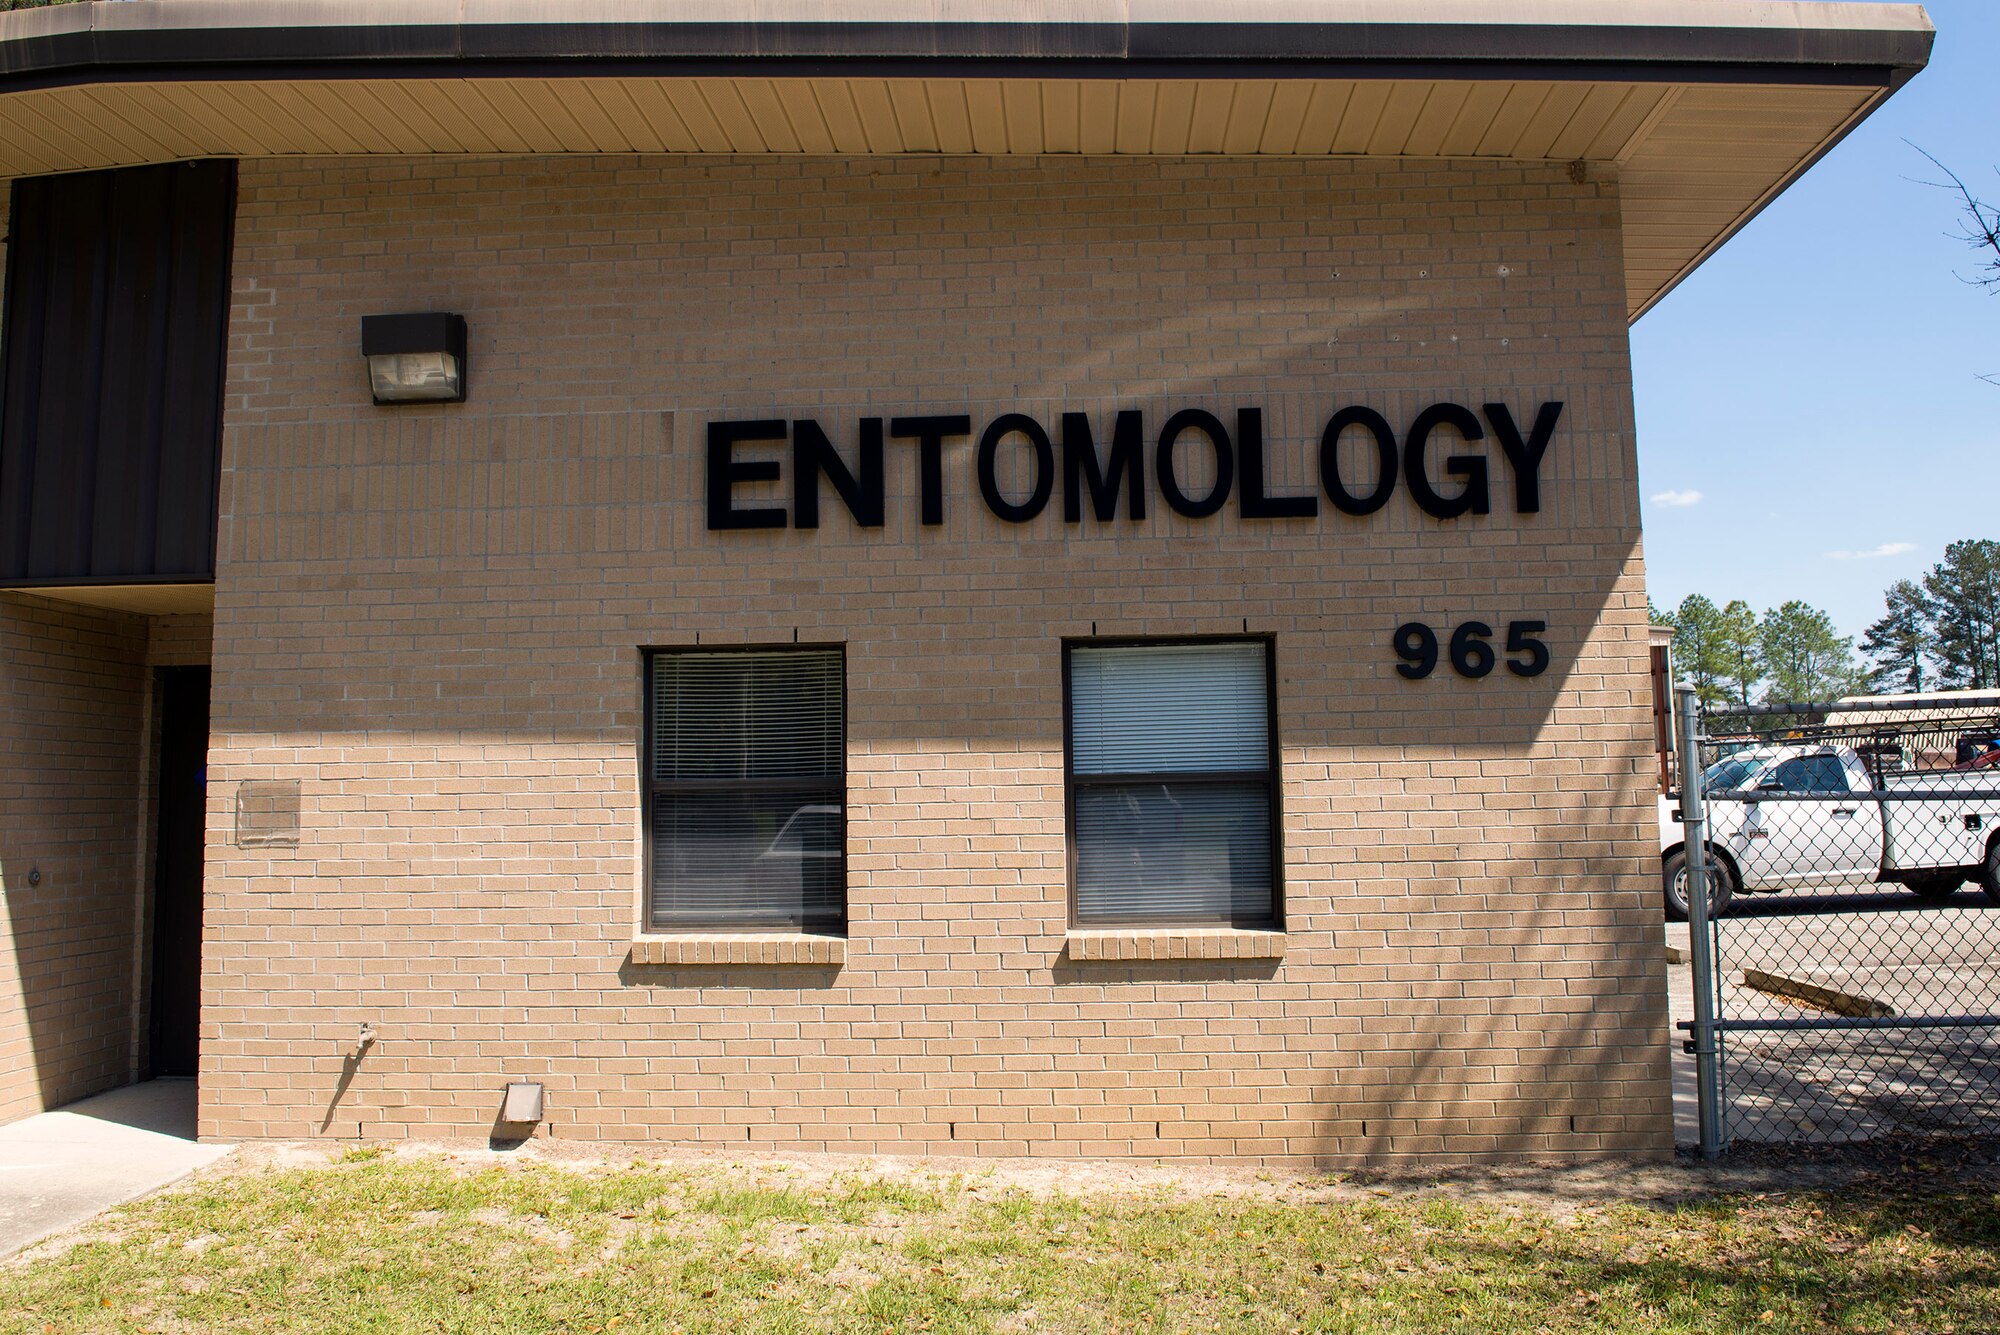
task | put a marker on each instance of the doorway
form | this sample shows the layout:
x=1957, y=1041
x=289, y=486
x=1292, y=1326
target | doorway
x=179, y=835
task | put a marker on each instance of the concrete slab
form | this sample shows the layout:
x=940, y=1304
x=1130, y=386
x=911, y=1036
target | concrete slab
x=57, y=1169
x=1818, y=990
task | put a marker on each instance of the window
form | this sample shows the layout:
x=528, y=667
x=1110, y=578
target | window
x=745, y=780
x=1172, y=806
x=1734, y=772
x=1811, y=774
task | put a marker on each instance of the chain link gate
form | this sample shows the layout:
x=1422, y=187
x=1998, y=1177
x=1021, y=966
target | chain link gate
x=1846, y=975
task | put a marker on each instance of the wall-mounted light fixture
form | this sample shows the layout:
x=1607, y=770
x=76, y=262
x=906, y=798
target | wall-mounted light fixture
x=417, y=358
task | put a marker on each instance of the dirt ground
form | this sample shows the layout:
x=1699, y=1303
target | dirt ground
x=1560, y=1190
x=1556, y=1187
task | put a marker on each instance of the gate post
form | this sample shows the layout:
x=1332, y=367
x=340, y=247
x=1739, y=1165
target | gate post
x=1701, y=940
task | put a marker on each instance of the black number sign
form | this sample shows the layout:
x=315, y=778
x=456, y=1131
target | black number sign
x=1417, y=646
x=1470, y=652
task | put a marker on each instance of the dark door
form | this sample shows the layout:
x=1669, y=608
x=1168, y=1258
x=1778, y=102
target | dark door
x=177, y=875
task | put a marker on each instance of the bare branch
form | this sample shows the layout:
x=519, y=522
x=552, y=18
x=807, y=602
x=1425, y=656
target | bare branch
x=1979, y=224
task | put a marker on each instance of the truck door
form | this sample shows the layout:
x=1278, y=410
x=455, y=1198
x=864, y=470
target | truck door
x=1816, y=842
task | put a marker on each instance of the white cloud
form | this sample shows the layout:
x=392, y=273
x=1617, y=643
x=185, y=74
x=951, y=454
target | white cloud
x=1886, y=549
x=1678, y=500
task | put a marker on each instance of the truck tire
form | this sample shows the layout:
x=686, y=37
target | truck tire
x=1989, y=875
x=1935, y=889
x=1722, y=886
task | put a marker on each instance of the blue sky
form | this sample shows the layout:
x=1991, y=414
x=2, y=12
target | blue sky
x=1817, y=381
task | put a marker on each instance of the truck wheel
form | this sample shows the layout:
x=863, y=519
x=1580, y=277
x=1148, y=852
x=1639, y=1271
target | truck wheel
x=1934, y=889
x=1989, y=875
x=1674, y=878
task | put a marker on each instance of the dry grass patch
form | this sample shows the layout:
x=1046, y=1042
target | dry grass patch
x=373, y=1242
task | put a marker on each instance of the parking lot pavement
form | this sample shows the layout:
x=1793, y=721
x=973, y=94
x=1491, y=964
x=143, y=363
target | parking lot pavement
x=1907, y=958
x=1882, y=953
x=58, y=1169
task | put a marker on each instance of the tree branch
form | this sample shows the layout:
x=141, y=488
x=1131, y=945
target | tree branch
x=1979, y=228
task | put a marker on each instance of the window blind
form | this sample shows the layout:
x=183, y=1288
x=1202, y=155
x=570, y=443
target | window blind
x=1156, y=709
x=747, y=716
x=1173, y=850
x=747, y=788
x=1171, y=797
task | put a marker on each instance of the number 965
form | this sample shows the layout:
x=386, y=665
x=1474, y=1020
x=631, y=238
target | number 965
x=1471, y=654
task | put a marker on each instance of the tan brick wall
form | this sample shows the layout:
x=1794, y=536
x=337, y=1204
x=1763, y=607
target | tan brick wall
x=179, y=639
x=431, y=620
x=72, y=726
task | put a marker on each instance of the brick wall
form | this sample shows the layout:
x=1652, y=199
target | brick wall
x=430, y=620
x=72, y=726
x=179, y=639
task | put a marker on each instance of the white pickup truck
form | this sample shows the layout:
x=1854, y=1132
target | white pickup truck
x=1827, y=826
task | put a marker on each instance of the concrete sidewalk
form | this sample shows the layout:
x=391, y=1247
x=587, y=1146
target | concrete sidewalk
x=59, y=1168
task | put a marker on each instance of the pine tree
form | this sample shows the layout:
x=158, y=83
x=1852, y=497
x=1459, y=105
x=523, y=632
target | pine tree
x=1898, y=644
x=1806, y=658
x=1741, y=650
x=1698, y=648
x=1964, y=590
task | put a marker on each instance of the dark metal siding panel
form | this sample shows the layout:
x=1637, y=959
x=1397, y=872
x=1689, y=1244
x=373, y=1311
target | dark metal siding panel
x=191, y=408
x=65, y=437
x=135, y=334
x=21, y=348
x=111, y=392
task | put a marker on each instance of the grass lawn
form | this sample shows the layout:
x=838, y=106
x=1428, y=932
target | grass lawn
x=413, y=1241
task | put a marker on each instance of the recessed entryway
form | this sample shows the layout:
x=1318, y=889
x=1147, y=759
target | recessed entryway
x=175, y=1010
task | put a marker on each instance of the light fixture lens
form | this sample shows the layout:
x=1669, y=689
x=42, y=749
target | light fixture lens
x=415, y=377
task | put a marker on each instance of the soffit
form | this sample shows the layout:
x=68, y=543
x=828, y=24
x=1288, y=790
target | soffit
x=147, y=599
x=1704, y=121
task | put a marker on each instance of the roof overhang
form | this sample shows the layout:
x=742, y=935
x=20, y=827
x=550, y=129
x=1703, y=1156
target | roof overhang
x=1707, y=108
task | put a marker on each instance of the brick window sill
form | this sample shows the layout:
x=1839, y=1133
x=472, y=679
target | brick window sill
x=738, y=948
x=1174, y=943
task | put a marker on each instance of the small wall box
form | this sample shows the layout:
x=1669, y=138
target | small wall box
x=523, y=1103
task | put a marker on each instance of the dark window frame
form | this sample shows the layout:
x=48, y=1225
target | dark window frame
x=1271, y=778
x=649, y=786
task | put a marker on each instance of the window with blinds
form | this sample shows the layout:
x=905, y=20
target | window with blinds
x=1171, y=783
x=745, y=768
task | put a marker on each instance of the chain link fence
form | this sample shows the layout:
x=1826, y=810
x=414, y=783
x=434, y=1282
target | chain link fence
x=1854, y=917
